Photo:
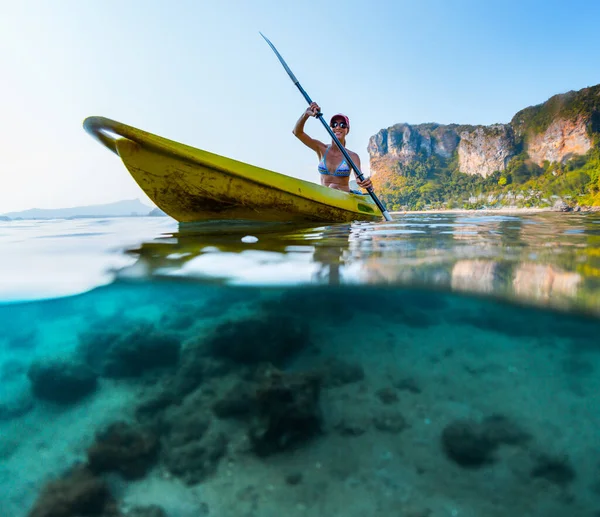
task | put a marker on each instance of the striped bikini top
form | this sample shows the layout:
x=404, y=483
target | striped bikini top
x=342, y=170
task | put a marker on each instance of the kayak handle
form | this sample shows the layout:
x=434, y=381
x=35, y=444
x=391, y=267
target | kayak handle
x=98, y=128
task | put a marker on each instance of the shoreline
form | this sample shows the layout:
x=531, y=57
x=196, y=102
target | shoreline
x=502, y=210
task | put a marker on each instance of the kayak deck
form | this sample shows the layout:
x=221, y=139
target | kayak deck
x=191, y=185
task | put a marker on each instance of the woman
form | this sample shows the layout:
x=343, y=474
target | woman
x=333, y=168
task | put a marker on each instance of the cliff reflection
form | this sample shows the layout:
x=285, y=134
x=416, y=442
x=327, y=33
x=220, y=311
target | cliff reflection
x=548, y=259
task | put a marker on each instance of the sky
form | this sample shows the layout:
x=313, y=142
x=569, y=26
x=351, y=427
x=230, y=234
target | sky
x=198, y=72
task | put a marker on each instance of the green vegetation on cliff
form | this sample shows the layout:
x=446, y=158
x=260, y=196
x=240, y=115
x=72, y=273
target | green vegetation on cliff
x=569, y=106
x=432, y=182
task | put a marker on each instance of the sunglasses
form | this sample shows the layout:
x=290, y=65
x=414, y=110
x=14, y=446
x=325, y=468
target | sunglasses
x=342, y=125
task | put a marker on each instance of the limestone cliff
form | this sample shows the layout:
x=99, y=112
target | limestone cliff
x=555, y=131
x=486, y=149
x=562, y=140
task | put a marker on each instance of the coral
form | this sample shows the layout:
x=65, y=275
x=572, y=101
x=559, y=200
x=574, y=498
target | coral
x=387, y=395
x=195, y=368
x=473, y=444
x=99, y=338
x=122, y=348
x=349, y=425
x=79, y=494
x=140, y=350
x=272, y=338
x=61, y=381
x=238, y=402
x=187, y=424
x=181, y=317
x=464, y=443
x=150, y=412
x=124, y=449
x=557, y=470
x=194, y=460
x=407, y=384
x=191, y=449
x=288, y=411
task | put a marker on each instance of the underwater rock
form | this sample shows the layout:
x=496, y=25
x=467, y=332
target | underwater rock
x=270, y=339
x=187, y=424
x=337, y=372
x=147, y=511
x=557, y=470
x=417, y=512
x=387, y=395
x=192, y=448
x=150, y=412
x=300, y=302
x=194, y=460
x=465, y=444
x=352, y=426
x=472, y=444
x=288, y=411
x=120, y=348
x=294, y=478
x=407, y=384
x=95, y=342
x=238, y=402
x=145, y=348
x=79, y=494
x=61, y=381
x=124, y=449
x=181, y=317
x=194, y=369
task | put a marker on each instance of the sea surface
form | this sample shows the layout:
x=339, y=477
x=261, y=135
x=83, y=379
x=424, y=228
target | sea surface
x=440, y=365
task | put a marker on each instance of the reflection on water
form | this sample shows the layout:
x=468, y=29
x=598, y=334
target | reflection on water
x=548, y=259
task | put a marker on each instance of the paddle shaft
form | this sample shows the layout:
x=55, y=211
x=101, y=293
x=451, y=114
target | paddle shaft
x=319, y=115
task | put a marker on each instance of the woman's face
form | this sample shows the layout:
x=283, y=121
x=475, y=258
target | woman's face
x=340, y=129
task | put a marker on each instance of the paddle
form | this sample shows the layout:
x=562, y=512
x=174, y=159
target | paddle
x=385, y=213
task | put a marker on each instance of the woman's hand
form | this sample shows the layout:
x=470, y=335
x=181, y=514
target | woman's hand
x=313, y=110
x=366, y=183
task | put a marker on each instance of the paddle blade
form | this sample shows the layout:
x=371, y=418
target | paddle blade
x=287, y=68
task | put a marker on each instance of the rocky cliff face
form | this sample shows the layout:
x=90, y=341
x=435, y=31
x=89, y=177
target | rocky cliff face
x=562, y=140
x=403, y=142
x=555, y=131
x=486, y=149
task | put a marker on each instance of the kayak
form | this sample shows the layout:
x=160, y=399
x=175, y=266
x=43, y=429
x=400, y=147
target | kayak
x=193, y=185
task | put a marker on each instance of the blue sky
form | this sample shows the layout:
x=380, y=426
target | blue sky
x=198, y=72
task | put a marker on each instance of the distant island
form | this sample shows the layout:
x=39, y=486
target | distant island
x=126, y=208
x=547, y=156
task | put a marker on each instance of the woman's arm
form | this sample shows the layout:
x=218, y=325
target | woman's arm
x=298, y=130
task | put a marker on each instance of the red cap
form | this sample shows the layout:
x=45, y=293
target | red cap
x=338, y=116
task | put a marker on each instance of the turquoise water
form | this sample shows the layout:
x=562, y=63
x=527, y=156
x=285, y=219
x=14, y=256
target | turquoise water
x=442, y=365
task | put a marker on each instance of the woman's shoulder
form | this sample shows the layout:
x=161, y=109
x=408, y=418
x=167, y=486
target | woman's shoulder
x=352, y=154
x=321, y=148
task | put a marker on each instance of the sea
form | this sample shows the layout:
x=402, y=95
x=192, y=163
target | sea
x=440, y=365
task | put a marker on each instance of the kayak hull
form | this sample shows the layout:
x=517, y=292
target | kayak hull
x=193, y=185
